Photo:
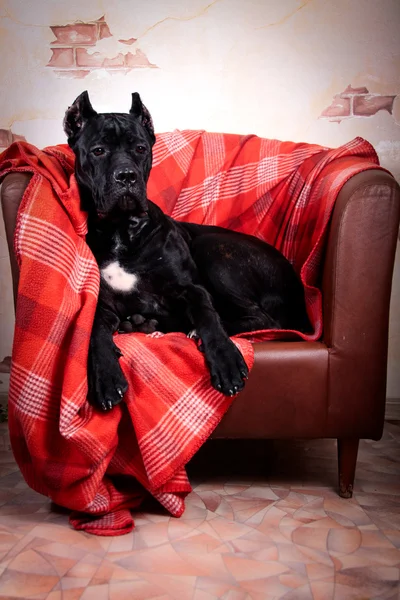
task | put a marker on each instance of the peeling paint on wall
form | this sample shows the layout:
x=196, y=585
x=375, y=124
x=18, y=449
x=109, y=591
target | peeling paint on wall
x=356, y=102
x=80, y=48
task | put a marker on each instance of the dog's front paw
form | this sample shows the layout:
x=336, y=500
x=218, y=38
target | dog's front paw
x=228, y=369
x=107, y=384
x=138, y=323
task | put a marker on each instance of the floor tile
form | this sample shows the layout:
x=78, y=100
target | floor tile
x=270, y=526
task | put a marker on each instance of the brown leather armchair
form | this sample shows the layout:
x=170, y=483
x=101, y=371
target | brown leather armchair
x=336, y=387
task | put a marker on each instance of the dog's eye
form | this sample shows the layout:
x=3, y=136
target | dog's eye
x=98, y=151
x=141, y=149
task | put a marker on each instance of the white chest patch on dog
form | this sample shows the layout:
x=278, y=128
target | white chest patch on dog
x=119, y=279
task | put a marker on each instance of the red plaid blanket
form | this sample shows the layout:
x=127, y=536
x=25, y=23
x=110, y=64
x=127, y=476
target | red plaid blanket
x=101, y=465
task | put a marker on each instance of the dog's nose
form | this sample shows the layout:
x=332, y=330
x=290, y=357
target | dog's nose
x=125, y=176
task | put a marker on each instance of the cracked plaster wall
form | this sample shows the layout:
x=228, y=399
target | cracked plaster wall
x=276, y=68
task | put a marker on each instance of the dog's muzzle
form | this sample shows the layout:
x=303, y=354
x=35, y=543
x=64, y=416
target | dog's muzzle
x=127, y=204
x=132, y=204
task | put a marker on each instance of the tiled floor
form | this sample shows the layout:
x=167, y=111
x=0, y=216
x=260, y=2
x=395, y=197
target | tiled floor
x=264, y=521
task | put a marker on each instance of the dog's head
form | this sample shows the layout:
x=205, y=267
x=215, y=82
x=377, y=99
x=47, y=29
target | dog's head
x=113, y=155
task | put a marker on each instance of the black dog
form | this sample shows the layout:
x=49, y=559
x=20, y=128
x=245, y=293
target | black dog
x=163, y=274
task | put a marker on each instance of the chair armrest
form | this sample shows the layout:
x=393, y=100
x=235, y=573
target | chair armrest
x=357, y=280
x=12, y=191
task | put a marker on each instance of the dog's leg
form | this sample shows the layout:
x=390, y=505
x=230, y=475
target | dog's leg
x=226, y=363
x=107, y=384
x=250, y=323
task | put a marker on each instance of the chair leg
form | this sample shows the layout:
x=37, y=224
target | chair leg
x=347, y=459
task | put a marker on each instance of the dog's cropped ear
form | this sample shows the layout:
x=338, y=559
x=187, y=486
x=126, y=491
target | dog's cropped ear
x=139, y=111
x=77, y=116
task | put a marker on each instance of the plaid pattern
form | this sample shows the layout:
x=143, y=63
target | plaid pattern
x=101, y=465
